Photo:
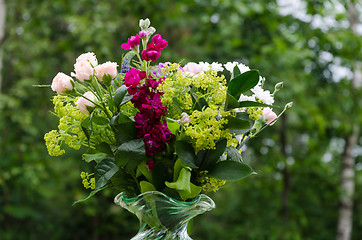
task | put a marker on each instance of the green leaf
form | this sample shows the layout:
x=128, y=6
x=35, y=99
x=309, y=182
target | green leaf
x=100, y=120
x=125, y=132
x=119, y=119
x=104, y=170
x=236, y=123
x=88, y=157
x=89, y=196
x=243, y=83
x=231, y=170
x=146, y=187
x=160, y=174
x=119, y=95
x=186, y=153
x=124, y=182
x=133, y=150
x=104, y=148
x=253, y=104
x=231, y=102
x=184, y=186
x=236, y=72
x=233, y=154
x=213, y=155
x=142, y=167
x=173, y=125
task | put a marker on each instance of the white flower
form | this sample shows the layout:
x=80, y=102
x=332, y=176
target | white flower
x=62, y=83
x=265, y=96
x=243, y=68
x=204, y=66
x=217, y=67
x=247, y=98
x=230, y=66
x=144, y=24
x=88, y=57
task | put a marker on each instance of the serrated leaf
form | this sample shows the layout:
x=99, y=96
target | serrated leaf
x=243, y=83
x=230, y=170
x=103, y=171
x=186, y=153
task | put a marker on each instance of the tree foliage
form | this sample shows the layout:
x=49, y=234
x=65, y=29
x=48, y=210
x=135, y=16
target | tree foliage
x=294, y=195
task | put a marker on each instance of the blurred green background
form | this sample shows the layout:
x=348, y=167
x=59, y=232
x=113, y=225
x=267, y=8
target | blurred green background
x=296, y=193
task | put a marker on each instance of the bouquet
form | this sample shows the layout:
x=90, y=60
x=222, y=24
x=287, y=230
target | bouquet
x=167, y=127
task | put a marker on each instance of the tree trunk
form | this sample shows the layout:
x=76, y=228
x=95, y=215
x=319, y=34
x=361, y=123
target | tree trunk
x=2, y=35
x=348, y=161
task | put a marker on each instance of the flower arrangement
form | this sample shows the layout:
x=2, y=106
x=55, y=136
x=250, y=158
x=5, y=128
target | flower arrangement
x=166, y=127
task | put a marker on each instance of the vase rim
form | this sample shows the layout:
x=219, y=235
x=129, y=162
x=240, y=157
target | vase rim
x=124, y=197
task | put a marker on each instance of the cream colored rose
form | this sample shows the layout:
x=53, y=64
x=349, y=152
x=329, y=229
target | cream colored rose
x=88, y=57
x=106, y=68
x=83, y=70
x=61, y=83
x=83, y=103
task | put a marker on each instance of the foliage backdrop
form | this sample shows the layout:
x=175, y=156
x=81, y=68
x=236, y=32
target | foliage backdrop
x=295, y=194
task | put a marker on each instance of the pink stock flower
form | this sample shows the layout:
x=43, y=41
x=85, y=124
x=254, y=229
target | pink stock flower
x=83, y=70
x=158, y=41
x=62, y=83
x=132, y=79
x=269, y=115
x=143, y=34
x=152, y=52
x=109, y=68
x=132, y=43
x=82, y=103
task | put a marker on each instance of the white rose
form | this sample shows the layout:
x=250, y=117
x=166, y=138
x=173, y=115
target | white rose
x=83, y=70
x=62, y=83
x=192, y=68
x=88, y=57
x=83, y=103
x=109, y=68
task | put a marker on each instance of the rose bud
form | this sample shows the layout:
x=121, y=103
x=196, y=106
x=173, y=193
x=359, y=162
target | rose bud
x=83, y=103
x=62, y=83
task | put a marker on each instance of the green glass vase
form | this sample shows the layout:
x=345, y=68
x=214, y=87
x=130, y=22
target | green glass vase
x=162, y=217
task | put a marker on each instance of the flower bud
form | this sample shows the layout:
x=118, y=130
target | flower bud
x=151, y=31
x=269, y=115
x=288, y=105
x=108, y=68
x=278, y=87
x=144, y=23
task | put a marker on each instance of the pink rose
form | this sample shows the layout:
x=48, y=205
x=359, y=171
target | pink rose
x=83, y=103
x=193, y=68
x=88, y=57
x=62, y=83
x=109, y=68
x=269, y=115
x=83, y=70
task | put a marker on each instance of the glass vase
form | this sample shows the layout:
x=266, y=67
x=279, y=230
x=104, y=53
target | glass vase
x=162, y=217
